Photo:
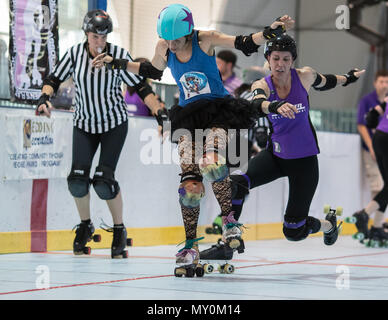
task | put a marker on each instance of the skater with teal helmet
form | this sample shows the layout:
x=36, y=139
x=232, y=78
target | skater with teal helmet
x=204, y=104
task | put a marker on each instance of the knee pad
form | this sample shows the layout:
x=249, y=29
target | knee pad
x=78, y=181
x=297, y=230
x=104, y=183
x=240, y=185
x=191, y=190
x=213, y=170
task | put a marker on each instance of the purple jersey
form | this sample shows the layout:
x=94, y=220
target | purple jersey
x=383, y=124
x=292, y=138
x=367, y=103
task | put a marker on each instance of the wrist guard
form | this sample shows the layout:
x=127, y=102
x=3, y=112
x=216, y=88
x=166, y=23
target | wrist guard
x=42, y=100
x=269, y=33
x=147, y=70
x=246, y=44
x=161, y=116
x=117, y=64
x=275, y=105
x=350, y=77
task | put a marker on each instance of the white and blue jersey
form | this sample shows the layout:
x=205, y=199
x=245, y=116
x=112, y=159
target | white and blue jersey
x=197, y=78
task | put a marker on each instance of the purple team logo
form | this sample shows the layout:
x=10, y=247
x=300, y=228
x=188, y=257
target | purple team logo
x=194, y=83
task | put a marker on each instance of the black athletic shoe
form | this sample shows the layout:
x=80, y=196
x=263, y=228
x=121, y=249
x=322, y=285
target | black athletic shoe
x=362, y=222
x=219, y=251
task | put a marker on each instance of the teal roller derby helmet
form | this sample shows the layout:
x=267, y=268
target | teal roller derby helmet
x=175, y=21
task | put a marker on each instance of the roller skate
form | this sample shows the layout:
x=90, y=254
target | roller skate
x=330, y=237
x=377, y=238
x=217, y=257
x=216, y=227
x=84, y=234
x=360, y=219
x=187, y=260
x=120, y=241
x=231, y=232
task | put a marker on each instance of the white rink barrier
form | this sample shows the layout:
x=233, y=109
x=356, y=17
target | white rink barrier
x=38, y=212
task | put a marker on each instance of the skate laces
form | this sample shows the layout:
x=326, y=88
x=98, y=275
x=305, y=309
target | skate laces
x=229, y=221
x=188, y=246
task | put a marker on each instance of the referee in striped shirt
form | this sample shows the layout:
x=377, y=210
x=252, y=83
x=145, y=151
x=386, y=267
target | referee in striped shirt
x=100, y=118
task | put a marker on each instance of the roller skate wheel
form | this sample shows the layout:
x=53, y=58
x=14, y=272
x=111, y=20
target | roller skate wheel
x=221, y=268
x=350, y=220
x=129, y=242
x=177, y=273
x=208, y=268
x=228, y=268
x=97, y=238
x=87, y=250
x=199, y=271
x=234, y=243
x=190, y=272
x=359, y=236
x=125, y=254
x=339, y=211
x=326, y=208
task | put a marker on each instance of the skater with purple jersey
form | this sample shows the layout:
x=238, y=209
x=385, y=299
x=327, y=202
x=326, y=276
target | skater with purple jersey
x=377, y=119
x=292, y=147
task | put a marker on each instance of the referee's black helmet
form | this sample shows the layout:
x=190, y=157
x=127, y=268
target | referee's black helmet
x=97, y=21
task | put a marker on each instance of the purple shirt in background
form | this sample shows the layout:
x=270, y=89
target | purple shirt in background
x=367, y=102
x=135, y=105
x=232, y=83
x=383, y=124
x=292, y=138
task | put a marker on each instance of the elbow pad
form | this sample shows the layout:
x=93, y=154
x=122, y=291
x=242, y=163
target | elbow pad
x=147, y=70
x=331, y=82
x=372, y=118
x=246, y=44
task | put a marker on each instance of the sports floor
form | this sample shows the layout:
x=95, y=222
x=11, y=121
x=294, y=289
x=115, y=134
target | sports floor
x=269, y=269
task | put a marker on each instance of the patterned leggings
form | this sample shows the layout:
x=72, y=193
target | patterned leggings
x=189, y=154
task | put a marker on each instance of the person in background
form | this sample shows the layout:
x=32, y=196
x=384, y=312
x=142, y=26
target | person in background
x=226, y=62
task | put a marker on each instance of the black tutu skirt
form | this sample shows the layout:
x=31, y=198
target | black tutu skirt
x=226, y=113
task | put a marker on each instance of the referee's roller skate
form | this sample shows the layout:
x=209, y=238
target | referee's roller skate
x=331, y=236
x=231, y=233
x=217, y=257
x=187, y=260
x=360, y=219
x=84, y=233
x=119, y=242
x=378, y=238
x=216, y=228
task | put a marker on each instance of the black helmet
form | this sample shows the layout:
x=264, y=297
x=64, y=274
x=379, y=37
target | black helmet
x=281, y=43
x=97, y=21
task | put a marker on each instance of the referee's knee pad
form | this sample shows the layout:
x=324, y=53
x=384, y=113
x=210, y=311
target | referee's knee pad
x=191, y=190
x=104, y=183
x=297, y=230
x=78, y=181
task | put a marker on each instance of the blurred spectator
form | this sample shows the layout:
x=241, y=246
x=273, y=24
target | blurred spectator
x=367, y=103
x=135, y=105
x=226, y=62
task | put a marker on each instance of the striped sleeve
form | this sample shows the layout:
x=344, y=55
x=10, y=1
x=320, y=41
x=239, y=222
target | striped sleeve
x=64, y=68
x=129, y=78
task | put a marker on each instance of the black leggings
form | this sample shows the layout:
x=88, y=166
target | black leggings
x=85, y=146
x=303, y=176
x=380, y=146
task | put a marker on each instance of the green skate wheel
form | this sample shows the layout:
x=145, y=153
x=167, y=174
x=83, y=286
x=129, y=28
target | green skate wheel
x=375, y=244
x=326, y=208
x=358, y=236
x=351, y=220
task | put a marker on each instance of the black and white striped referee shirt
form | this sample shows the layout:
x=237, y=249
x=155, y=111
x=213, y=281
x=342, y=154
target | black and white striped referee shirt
x=99, y=103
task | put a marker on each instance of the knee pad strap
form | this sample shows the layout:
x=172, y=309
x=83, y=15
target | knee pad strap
x=104, y=183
